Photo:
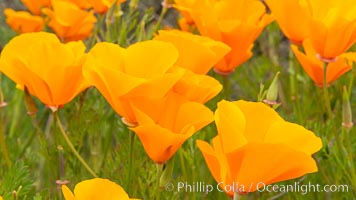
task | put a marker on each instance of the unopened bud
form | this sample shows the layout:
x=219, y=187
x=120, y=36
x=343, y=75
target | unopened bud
x=167, y=173
x=346, y=110
x=272, y=93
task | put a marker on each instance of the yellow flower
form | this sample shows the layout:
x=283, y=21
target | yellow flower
x=70, y=22
x=140, y=71
x=165, y=124
x=255, y=146
x=50, y=70
x=22, y=21
x=95, y=189
x=196, y=53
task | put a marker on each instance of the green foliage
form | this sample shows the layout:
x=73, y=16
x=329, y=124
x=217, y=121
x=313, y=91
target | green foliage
x=16, y=179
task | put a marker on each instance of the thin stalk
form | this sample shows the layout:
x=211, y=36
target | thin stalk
x=182, y=163
x=226, y=87
x=346, y=133
x=18, y=102
x=81, y=102
x=159, y=174
x=71, y=146
x=42, y=138
x=353, y=74
x=2, y=134
x=293, y=86
x=131, y=155
x=3, y=144
x=326, y=93
x=161, y=16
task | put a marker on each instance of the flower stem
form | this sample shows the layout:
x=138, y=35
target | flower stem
x=71, y=146
x=326, y=93
x=226, y=87
x=131, y=155
x=182, y=163
x=3, y=145
x=294, y=90
x=161, y=16
x=159, y=174
x=346, y=133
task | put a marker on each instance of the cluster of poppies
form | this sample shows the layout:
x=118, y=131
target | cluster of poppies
x=314, y=27
x=159, y=87
x=160, y=97
x=71, y=20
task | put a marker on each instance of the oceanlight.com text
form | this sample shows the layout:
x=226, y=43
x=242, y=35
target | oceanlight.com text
x=303, y=188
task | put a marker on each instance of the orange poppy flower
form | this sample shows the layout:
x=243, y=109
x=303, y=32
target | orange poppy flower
x=184, y=7
x=96, y=188
x=102, y=6
x=35, y=6
x=293, y=17
x=253, y=155
x=32, y=60
x=70, y=22
x=197, y=87
x=140, y=71
x=22, y=21
x=83, y=4
x=237, y=23
x=196, y=53
x=167, y=123
x=332, y=27
x=315, y=68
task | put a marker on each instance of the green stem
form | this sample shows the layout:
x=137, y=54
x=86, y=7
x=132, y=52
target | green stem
x=182, y=163
x=81, y=102
x=43, y=147
x=18, y=102
x=353, y=74
x=226, y=87
x=161, y=16
x=346, y=132
x=3, y=144
x=71, y=146
x=293, y=85
x=159, y=174
x=326, y=93
x=131, y=155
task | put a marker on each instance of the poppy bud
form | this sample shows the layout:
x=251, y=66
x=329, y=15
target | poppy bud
x=346, y=110
x=167, y=173
x=272, y=93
